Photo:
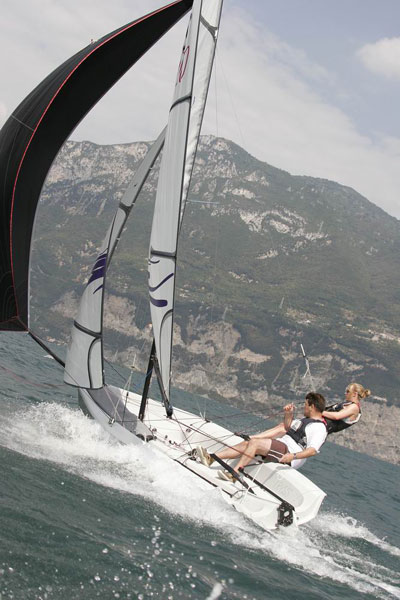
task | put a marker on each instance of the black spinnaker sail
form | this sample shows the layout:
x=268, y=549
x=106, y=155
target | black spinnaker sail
x=36, y=130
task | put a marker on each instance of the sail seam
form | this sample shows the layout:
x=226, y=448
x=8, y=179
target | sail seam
x=180, y=101
x=126, y=209
x=161, y=253
x=85, y=330
x=210, y=28
x=22, y=123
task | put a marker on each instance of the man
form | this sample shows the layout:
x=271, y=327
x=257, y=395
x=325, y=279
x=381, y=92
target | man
x=293, y=441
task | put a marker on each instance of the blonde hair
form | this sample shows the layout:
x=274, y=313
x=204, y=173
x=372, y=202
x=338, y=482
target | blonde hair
x=361, y=391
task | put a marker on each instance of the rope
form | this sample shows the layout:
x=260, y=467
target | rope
x=217, y=441
x=26, y=380
x=135, y=388
x=308, y=371
x=280, y=269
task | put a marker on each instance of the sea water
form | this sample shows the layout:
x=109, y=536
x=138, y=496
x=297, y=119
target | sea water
x=83, y=517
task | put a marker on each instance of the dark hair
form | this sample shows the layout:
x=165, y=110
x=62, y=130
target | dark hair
x=317, y=400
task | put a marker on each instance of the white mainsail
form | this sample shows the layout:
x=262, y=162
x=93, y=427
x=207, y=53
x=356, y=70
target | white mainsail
x=186, y=115
x=84, y=362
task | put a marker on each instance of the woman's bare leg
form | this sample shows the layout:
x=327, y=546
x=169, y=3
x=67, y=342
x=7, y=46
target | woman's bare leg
x=274, y=432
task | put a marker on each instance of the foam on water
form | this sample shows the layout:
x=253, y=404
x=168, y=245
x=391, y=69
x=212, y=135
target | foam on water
x=328, y=547
x=348, y=527
x=65, y=436
x=215, y=592
x=326, y=554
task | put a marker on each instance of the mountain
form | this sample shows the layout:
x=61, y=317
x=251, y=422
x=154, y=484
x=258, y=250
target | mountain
x=268, y=261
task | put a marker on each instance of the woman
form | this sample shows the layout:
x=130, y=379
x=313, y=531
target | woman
x=345, y=414
x=338, y=416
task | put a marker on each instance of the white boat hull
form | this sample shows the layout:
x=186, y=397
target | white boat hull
x=178, y=436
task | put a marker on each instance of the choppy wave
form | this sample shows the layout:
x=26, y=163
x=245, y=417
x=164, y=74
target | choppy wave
x=334, y=546
x=322, y=548
x=65, y=436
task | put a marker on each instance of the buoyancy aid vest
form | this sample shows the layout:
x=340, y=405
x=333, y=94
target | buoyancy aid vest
x=298, y=431
x=335, y=426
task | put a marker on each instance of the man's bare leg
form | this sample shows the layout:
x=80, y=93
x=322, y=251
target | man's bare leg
x=242, y=447
x=254, y=447
x=234, y=451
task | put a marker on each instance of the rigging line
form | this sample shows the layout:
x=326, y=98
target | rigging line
x=288, y=300
x=218, y=230
x=253, y=477
x=137, y=314
x=202, y=202
x=308, y=372
x=114, y=369
x=45, y=347
x=135, y=387
x=212, y=291
x=90, y=176
x=218, y=441
x=181, y=425
x=239, y=414
x=203, y=415
x=115, y=406
x=217, y=235
x=25, y=379
x=216, y=64
x=259, y=414
x=231, y=98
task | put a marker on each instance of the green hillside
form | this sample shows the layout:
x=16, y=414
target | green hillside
x=267, y=261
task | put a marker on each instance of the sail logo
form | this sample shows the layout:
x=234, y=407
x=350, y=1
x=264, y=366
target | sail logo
x=159, y=303
x=99, y=270
x=183, y=63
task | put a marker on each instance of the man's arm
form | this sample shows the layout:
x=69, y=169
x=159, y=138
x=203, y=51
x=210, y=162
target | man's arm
x=290, y=456
x=288, y=418
x=316, y=436
x=280, y=429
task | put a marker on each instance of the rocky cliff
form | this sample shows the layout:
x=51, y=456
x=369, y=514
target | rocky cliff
x=268, y=261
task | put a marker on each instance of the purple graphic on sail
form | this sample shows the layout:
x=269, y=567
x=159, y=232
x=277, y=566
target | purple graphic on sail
x=159, y=303
x=98, y=270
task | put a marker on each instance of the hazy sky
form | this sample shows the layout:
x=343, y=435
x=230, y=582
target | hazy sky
x=309, y=86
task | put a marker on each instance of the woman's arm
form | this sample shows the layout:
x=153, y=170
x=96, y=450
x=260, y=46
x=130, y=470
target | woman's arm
x=348, y=411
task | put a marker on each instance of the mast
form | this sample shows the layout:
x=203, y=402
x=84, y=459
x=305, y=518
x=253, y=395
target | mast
x=185, y=118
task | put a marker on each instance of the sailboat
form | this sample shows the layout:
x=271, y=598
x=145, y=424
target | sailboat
x=270, y=494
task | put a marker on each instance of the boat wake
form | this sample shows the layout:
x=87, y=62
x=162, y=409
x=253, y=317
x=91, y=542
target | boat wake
x=80, y=445
x=339, y=548
x=332, y=546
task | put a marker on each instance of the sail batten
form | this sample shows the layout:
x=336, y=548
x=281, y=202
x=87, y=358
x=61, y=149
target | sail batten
x=185, y=118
